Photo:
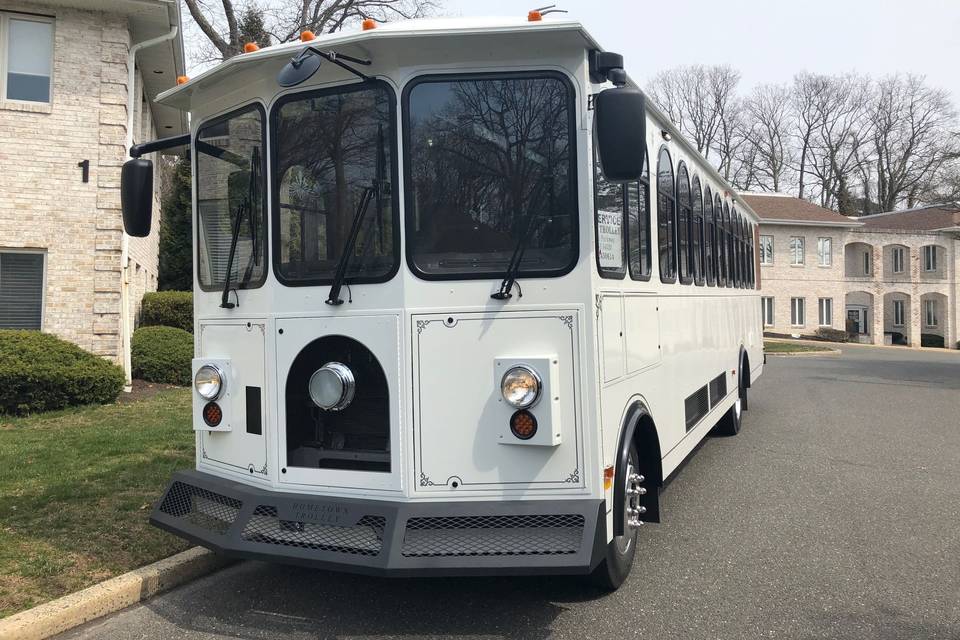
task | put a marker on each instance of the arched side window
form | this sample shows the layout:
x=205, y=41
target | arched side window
x=683, y=223
x=737, y=248
x=709, y=240
x=753, y=258
x=741, y=251
x=720, y=252
x=609, y=207
x=728, y=248
x=666, y=223
x=638, y=225
x=696, y=232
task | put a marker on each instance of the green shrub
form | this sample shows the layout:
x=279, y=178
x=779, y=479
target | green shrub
x=162, y=354
x=833, y=335
x=932, y=340
x=167, y=309
x=40, y=372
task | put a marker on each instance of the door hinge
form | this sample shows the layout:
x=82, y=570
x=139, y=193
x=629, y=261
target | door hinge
x=590, y=102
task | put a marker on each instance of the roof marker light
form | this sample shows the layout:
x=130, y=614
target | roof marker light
x=183, y=79
x=307, y=36
x=250, y=47
x=536, y=15
x=368, y=24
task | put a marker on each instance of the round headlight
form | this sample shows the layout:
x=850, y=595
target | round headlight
x=521, y=387
x=208, y=382
x=332, y=386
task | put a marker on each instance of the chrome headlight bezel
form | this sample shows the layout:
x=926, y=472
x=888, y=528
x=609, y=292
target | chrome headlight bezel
x=531, y=375
x=211, y=388
x=343, y=376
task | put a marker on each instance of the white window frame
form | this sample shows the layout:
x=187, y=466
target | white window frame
x=825, y=258
x=930, y=258
x=898, y=256
x=930, y=313
x=43, y=285
x=766, y=255
x=826, y=319
x=798, y=312
x=898, y=308
x=795, y=243
x=5, y=17
x=766, y=308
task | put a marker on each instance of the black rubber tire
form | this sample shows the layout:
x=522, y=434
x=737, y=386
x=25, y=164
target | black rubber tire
x=615, y=567
x=729, y=424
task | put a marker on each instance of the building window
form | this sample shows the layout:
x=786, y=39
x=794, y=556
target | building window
x=866, y=263
x=826, y=312
x=930, y=312
x=766, y=305
x=930, y=258
x=796, y=250
x=766, y=250
x=21, y=290
x=898, y=259
x=797, y=312
x=26, y=57
x=825, y=251
x=898, y=313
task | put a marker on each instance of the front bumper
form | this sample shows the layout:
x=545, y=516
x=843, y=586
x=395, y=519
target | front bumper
x=383, y=537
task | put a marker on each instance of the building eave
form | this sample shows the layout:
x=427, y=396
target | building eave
x=809, y=223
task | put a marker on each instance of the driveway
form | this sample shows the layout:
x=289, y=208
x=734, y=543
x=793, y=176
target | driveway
x=834, y=514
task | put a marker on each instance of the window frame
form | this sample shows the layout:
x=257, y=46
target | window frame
x=867, y=263
x=642, y=184
x=268, y=165
x=803, y=251
x=5, y=17
x=709, y=239
x=610, y=273
x=404, y=140
x=721, y=238
x=764, y=300
x=766, y=263
x=666, y=237
x=825, y=304
x=43, y=280
x=798, y=311
x=898, y=313
x=820, y=253
x=683, y=213
x=897, y=256
x=738, y=247
x=930, y=259
x=697, y=239
x=729, y=255
x=930, y=312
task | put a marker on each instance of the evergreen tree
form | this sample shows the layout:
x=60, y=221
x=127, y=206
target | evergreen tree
x=252, y=27
x=176, y=231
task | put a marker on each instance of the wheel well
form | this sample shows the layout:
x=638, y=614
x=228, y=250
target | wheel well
x=648, y=447
x=638, y=429
x=745, y=367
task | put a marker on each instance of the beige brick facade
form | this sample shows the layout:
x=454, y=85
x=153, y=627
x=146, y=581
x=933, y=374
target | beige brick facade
x=44, y=204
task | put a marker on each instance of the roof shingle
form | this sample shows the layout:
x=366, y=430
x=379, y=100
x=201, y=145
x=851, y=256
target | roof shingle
x=923, y=219
x=780, y=207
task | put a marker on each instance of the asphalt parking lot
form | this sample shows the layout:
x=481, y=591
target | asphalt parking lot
x=834, y=514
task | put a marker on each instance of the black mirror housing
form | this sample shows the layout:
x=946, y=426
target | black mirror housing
x=136, y=196
x=620, y=128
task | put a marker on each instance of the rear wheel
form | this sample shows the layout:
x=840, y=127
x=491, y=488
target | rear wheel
x=615, y=567
x=729, y=424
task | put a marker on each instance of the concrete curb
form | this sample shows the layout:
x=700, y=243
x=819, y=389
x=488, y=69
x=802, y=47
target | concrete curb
x=109, y=596
x=798, y=354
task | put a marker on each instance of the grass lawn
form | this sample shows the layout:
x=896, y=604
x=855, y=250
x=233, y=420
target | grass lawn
x=791, y=347
x=76, y=489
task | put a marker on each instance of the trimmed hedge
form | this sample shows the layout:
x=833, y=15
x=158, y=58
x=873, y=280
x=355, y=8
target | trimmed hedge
x=832, y=335
x=40, y=372
x=162, y=354
x=167, y=309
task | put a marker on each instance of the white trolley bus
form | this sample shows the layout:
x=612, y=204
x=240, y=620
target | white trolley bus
x=463, y=301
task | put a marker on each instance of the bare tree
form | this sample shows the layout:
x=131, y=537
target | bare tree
x=768, y=119
x=221, y=21
x=910, y=138
x=807, y=93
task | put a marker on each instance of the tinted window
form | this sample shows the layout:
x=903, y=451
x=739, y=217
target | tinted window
x=709, y=240
x=231, y=205
x=21, y=290
x=29, y=59
x=608, y=207
x=696, y=232
x=665, y=218
x=683, y=223
x=721, y=252
x=490, y=167
x=728, y=246
x=334, y=152
x=638, y=219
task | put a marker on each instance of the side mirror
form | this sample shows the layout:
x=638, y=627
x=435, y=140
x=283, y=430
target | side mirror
x=136, y=196
x=621, y=133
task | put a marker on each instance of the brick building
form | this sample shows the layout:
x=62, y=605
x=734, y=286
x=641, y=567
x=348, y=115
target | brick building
x=67, y=115
x=894, y=276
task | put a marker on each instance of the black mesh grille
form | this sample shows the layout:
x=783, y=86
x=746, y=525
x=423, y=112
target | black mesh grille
x=200, y=507
x=718, y=389
x=364, y=538
x=696, y=407
x=493, y=535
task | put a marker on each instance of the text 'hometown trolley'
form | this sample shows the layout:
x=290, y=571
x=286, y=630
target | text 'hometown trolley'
x=447, y=322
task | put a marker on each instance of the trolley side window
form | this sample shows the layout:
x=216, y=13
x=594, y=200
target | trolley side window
x=709, y=240
x=609, y=206
x=490, y=173
x=683, y=223
x=721, y=253
x=696, y=233
x=638, y=225
x=666, y=210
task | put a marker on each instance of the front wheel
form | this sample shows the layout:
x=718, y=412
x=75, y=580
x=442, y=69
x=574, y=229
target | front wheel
x=615, y=567
x=729, y=424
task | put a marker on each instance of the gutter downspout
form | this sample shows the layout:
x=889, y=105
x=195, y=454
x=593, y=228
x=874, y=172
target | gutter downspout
x=132, y=99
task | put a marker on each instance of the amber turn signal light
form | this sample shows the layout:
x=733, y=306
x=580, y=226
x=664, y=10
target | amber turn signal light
x=212, y=414
x=523, y=424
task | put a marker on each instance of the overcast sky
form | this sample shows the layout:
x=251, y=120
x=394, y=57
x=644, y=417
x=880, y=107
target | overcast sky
x=767, y=40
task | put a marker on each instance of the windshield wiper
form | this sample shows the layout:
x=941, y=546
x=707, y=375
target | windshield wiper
x=224, y=300
x=245, y=207
x=341, y=273
x=513, y=267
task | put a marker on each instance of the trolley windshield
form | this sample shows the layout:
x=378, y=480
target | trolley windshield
x=330, y=147
x=489, y=164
